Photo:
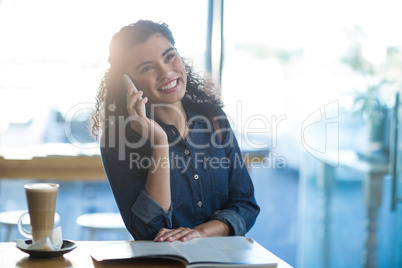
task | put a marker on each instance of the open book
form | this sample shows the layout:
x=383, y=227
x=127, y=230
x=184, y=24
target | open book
x=231, y=251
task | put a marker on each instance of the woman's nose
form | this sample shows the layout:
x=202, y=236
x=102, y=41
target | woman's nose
x=164, y=72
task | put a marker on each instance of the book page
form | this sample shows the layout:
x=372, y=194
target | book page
x=127, y=250
x=231, y=249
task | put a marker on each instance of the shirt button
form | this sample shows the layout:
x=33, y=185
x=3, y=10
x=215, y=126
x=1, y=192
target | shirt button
x=199, y=203
x=186, y=152
x=196, y=176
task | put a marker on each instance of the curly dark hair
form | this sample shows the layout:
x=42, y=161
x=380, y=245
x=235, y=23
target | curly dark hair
x=111, y=97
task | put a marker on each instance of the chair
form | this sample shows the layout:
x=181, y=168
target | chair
x=10, y=219
x=95, y=222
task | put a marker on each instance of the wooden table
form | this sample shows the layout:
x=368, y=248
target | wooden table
x=80, y=167
x=11, y=256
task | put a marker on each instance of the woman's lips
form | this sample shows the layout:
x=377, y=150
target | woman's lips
x=170, y=87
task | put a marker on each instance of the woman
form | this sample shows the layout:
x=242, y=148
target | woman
x=176, y=172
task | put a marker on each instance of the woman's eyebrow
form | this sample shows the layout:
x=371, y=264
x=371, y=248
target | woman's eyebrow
x=148, y=62
x=167, y=51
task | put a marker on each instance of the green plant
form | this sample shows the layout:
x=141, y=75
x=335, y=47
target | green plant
x=370, y=105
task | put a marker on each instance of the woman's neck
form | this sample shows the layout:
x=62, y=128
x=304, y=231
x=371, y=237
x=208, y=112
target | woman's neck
x=173, y=114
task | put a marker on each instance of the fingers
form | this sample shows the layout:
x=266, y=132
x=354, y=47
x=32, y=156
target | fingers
x=134, y=103
x=191, y=235
x=183, y=234
x=140, y=106
x=177, y=234
x=161, y=233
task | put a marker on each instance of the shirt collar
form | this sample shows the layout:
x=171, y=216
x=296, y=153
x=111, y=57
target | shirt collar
x=192, y=115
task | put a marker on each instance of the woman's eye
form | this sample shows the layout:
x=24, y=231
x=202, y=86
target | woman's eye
x=170, y=56
x=146, y=69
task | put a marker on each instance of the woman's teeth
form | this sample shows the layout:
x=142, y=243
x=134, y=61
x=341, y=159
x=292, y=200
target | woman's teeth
x=170, y=85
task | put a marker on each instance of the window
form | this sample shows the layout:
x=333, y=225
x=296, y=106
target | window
x=291, y=58
x=53, y=55
x=294, y=57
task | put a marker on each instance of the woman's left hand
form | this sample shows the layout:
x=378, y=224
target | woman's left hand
x=170, y=235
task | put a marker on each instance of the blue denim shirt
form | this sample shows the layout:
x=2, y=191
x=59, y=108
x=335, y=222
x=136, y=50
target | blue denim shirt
x=208, y=178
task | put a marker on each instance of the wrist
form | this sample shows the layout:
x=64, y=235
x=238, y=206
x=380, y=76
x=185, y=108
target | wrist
x=213, y=228
x=200, y=230
x=160, y=141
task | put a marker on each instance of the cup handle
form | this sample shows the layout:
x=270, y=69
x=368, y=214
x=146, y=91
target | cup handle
x=21, y=228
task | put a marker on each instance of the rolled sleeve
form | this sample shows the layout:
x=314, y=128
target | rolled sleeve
x=241, y=209
x=232, y=219
x=146, y=209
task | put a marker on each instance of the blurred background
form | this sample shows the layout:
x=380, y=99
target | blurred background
x=311, y=84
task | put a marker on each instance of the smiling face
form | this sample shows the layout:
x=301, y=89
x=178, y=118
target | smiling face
x=157, y=70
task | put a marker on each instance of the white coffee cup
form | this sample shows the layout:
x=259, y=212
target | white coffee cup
x=41, y=199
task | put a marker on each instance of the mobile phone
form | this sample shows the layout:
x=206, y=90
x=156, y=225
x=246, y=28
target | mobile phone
x=127, y=81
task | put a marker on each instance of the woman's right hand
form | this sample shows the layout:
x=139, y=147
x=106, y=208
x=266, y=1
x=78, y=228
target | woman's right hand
x=140, y=123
